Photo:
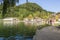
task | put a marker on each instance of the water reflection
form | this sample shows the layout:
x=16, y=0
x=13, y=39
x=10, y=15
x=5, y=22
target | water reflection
x=16, y=38
x=13, y=30
x=25, y=23
x=21, y=28
x=2, y=38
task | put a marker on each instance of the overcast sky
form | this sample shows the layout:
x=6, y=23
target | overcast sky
x=49, y=5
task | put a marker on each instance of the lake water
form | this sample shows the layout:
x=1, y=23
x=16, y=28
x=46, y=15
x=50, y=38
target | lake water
x=16, y=38
x=10, y=31
x=27, y=29
x=18, y=31
x=1, y=38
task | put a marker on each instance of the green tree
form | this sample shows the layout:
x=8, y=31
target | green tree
x=7, y=4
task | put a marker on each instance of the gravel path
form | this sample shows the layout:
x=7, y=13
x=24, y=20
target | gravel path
x=48, y=33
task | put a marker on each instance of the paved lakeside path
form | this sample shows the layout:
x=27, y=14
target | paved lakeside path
x=47, y=33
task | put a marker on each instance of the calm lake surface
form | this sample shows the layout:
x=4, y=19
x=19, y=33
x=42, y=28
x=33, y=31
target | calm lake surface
x=20, y=31
x=16, y=38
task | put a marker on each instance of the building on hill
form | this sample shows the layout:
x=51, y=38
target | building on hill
x=54, y=20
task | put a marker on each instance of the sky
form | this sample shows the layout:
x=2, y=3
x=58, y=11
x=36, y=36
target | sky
x=0, y=0
x=49, y=5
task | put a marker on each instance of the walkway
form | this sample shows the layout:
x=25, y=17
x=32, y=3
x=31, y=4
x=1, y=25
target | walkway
x=48, y=33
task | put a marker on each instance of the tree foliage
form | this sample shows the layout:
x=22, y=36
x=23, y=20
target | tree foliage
x=26, y=9
x=7, y=4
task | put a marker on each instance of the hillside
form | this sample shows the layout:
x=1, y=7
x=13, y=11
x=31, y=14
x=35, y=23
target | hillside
x=26, y=9
x=31, y=7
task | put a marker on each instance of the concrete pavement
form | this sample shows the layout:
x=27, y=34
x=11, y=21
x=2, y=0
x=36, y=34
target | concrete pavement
x=48, y=33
